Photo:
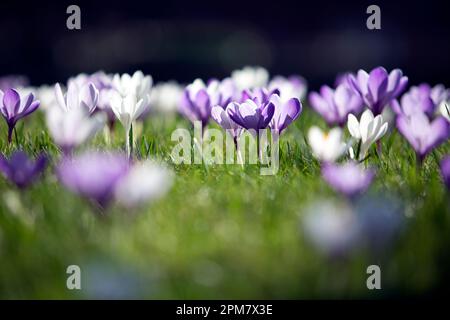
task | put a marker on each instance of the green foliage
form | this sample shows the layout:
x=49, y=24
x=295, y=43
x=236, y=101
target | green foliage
x=221, y=232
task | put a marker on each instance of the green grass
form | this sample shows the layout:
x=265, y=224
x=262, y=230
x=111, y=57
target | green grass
x=221, y=232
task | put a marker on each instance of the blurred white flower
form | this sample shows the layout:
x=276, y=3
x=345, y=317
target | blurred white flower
x=46, y=95
x=144, y=182
x=368, y=130
x=250, y=77
x=331, y=226
x=326, y=146
x=85, y=96
x=73, y=127
x=292, y=87
x=165, y=97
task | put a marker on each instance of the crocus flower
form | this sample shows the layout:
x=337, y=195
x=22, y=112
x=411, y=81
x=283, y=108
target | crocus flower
x=198, y=100
x=137, y=85
x=445, y=170
x=165, y=97
x=144, y=182
x=335, y=105
x=378, y=88
x=251, y=115
x=368, y=130
x=73, y=127
x=13, y=81
x=349, y=179
x=326, y=146
x=103, y=83
x=250, y=77
x=14, y=107
x=93, y=175
x=77, y=97
x=342, y=78
x=417, y=99
x=380, y=220
x=129, y=100
x=423, y=134
x=258, y=95
x=332, y=227
x=223, y=119
x=285, y=112
x=291, y=87
x=20, y=169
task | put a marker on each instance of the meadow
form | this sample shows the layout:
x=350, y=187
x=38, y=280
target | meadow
x=223, y=231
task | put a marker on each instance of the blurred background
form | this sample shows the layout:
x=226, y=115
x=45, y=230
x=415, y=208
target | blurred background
x=183, y=40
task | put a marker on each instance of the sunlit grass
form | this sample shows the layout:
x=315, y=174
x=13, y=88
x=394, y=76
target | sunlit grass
x=221, y=232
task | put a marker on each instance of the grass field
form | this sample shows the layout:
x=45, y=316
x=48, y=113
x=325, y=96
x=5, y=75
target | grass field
x=221, y=231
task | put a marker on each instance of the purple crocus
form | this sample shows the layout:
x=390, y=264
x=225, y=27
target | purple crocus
x=349, y=179
x=21, y=170
x=221, y=116
x=335, y=105
x=445, y=170
x=258, y=95
x=13, y=81
x=14, y=107
x=378, y=88
x=198, y=100
x=423, y=134
x=251, y=115
x=285, y=112
x=422, y=98
x=93, y=175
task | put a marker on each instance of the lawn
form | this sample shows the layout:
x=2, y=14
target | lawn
x=222, y=231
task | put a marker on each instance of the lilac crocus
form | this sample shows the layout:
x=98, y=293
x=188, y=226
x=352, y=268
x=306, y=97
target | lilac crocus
x=13, y=81
x=285, y=112
x=421, y=98
x=14, y=107
x=223, y=119
x=251, y=115
x=259, y=95
x=103, y=83
x=335, y=105
x=423, y=134
x=198, y=100
x=378, y=88
x=93, y=175
x=445, y=170
x=349, y=179
x=21, y=170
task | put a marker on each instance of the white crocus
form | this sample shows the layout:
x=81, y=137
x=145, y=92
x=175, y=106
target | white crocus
x=137, y=85
x=145, y=182
x=85, y=96
x=127, y=109
x=250, y=77
x=326, y=146
x=73, y=127
x=369, y=130
x=165, y=97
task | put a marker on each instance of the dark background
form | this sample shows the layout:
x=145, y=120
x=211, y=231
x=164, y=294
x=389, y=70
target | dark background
x=187, y=39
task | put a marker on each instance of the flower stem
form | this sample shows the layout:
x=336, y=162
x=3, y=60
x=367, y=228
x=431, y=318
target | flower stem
x=129, y=141
x=10, y=132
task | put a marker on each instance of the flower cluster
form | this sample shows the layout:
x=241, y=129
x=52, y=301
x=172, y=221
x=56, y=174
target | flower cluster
x=246, y=100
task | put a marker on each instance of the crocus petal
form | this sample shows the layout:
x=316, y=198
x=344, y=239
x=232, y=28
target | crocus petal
x=377, y=84
x=353, y=126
